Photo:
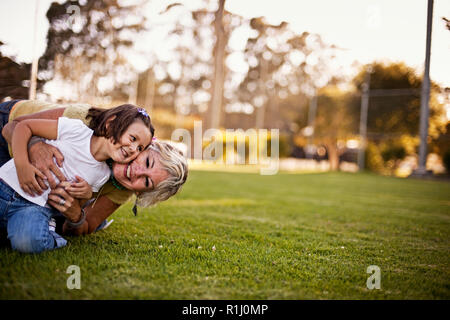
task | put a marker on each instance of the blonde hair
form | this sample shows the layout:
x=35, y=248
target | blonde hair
x=173, y=161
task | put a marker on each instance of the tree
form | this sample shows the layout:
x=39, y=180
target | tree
x=397, y=114
x=87, y=42
x=14, y=78
x=394, y=113
x=219, y=65
x=441, y=145
x=447, y=23
x=265, y=57
x=336, y=119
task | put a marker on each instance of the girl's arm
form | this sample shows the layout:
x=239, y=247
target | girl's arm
x=26, y=172
x=41, y=154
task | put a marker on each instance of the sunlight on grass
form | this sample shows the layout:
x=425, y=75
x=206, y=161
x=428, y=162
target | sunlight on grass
x=247, y=236
x=216, y=202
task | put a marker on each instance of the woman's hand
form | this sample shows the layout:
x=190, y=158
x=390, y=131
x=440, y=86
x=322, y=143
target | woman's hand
x=65, y=203
x=27, y=174
x=96, y=213
x=41, y=156
x=80, y=189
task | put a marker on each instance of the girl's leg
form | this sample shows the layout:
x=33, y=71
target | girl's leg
x=28, y=229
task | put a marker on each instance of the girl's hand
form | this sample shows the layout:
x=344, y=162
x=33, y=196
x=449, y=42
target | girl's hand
x=80, y=189
x=27, y=179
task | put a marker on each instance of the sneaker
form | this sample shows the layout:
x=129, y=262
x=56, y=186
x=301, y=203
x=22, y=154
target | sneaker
x=105, y=224
x=52, y=224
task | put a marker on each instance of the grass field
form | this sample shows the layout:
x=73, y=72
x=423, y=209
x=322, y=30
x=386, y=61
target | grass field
x=287, y=236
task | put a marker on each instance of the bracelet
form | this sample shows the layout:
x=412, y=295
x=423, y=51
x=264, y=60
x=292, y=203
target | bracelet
x=34, y=140
x=74, y=225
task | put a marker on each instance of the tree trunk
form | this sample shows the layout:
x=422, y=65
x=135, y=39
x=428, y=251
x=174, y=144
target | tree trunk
x=217, y=86
x=150, y=91
x=261, y=111
x=333, y=156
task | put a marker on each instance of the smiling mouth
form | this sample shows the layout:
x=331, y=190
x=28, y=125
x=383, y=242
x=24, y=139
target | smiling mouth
x=127, y=171
x=124, y=153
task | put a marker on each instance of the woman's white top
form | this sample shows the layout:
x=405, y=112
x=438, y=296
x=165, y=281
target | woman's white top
x=74, y=142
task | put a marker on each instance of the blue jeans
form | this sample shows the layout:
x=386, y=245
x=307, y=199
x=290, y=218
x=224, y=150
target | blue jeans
x=5, y=108
x=26, y=223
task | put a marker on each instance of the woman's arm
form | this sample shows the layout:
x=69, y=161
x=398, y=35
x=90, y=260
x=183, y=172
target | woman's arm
x=96, y=212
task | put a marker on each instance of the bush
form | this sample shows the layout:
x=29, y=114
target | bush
x=393, y=152
x=446, y=160
x=384, y=157
x=240, y=140
x=373, y=159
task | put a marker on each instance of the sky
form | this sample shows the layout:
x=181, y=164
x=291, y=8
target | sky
x=366, y=30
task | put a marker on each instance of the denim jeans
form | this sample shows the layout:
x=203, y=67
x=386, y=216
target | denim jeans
x=26, y=223
x=5, y=108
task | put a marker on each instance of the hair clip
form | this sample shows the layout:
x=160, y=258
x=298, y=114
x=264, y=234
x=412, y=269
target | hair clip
x=143, y=112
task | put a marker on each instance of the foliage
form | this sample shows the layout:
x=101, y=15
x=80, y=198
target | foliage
x=393, y=120
x=393, y=153
x=14, y=78
x=441, y=145
x=87, y=42
x=399, y=114
x=284, y=68
x=373, y=159
x=384, y=157
x=446, y=160
x=241, y=141
x=336, y=119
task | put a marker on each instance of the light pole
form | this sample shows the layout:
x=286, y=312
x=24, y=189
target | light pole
x=425, y=96
x=34, y=64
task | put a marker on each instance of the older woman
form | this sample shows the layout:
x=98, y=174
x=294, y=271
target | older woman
x=155, y=175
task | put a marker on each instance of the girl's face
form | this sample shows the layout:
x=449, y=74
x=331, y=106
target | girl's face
x=134, y=140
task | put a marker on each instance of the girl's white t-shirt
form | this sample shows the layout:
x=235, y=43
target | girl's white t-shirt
x=74, y=142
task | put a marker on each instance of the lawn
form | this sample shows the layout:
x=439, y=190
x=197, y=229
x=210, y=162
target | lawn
x=247, y=236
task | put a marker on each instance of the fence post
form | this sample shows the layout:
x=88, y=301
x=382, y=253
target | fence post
x=424, y=100
x=363, y=120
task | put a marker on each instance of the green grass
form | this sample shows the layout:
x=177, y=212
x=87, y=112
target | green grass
x=287, y=236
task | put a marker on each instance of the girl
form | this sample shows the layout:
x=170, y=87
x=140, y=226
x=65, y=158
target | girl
x=119, y=134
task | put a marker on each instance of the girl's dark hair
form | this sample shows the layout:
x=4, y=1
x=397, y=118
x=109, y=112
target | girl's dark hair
x=125, y=114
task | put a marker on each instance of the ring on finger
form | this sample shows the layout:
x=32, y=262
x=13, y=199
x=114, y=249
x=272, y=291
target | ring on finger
x=62, y=202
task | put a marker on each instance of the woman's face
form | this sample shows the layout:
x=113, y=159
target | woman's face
x=142, y=174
